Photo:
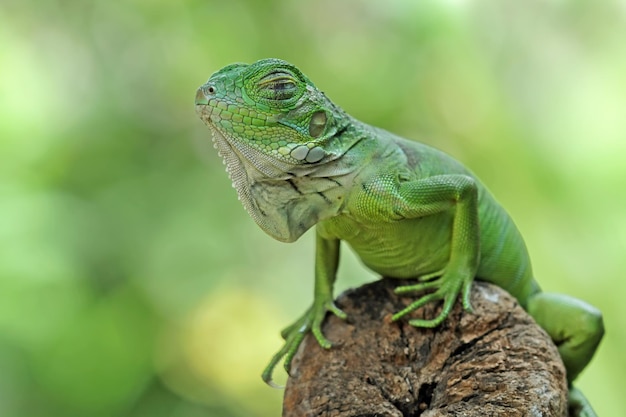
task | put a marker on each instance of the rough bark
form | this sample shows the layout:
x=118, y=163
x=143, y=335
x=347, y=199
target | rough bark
x=493, y=362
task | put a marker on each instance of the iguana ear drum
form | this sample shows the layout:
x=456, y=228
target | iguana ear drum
x=317, y=124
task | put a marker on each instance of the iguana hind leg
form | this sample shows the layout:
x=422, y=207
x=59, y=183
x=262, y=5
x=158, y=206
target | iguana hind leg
x=576, y=328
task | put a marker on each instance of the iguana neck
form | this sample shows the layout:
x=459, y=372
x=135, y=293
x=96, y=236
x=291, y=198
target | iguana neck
x=286, y=200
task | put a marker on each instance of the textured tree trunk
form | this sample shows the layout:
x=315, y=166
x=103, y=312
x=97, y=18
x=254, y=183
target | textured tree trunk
x=493, y=362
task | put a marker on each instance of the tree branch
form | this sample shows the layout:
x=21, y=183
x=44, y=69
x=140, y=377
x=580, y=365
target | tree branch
x=493, y=362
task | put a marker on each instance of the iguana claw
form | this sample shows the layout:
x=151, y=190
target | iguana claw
x=311, y=321
x=447, y=288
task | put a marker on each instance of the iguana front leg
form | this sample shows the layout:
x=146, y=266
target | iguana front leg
x=326, y=263
x=431, y=196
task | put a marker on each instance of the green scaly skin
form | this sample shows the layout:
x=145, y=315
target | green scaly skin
x=408, y=210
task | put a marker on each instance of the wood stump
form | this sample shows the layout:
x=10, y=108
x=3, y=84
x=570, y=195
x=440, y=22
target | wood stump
x=494, y=361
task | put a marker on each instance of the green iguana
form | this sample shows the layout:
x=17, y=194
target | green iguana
x=408, y=210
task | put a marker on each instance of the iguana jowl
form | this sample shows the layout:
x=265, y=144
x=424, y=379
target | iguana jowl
x=408, y=210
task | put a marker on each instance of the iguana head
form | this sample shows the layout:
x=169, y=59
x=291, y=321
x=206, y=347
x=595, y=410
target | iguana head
x=274, y=128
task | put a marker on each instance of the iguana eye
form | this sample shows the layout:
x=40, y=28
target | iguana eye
x=278, y=86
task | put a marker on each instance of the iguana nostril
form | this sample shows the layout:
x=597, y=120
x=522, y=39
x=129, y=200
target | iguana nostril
x=201, y=98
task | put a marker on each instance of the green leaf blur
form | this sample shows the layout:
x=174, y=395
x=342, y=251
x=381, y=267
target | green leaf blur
x=132, y=283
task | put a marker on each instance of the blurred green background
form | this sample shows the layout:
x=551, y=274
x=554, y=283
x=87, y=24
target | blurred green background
x=132, y=282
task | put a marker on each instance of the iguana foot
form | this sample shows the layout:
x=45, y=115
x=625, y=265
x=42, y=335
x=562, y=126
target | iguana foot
x=447, y=288
x=311, y=321
x=578, y=404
